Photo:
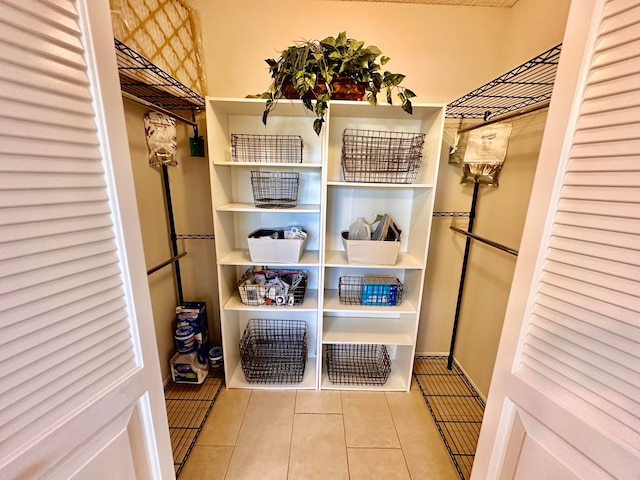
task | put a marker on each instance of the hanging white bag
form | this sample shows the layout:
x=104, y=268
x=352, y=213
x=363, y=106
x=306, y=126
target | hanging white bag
x=485, y=153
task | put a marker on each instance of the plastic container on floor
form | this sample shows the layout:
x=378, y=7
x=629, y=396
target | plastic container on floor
x=215, y=357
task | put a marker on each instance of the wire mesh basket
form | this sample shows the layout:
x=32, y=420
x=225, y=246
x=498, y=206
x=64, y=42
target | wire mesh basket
x=272, y=287
x=246, y=147
x=357, y=364
x=275, y=189
x=373, y=156
x=274, y=351
x=378, y=290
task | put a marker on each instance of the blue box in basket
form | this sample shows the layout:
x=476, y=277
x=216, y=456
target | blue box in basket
x=379, y=291
x=194, y=314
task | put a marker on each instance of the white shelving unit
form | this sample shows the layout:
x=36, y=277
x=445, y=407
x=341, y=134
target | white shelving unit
x=327, y=205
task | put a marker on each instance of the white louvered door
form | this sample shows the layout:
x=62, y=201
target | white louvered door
x=80, y=387
x=564, y=401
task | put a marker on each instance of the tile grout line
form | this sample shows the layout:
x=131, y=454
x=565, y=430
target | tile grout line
x=235, y=441
x=395, y=427
x=344, y=435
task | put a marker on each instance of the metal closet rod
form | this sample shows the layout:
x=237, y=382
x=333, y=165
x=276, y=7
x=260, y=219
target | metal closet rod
x=165, y=263
x=497, y=245
x=157, y=108
x=506, y=116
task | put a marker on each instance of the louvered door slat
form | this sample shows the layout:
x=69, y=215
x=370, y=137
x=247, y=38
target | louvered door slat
x=580, y=266
x=618, y=14
x=567, y=274
x=616, y=253
x=59, y=14
x=30, y=214
x=616, y=8
x=608, y=366
x=77, y=372
x=88, y=251
x=590, y=331
x=610, y=104
x=33, y=114
x=34, y=246
x=590, y=304
x=603, y=149
x=605, y=164
x=111, y=365
x=627, y=36
x=41, y=89
x=65, y=289
x=610, y=134
x=594, y=291
x=28, y=231
x=612, y=224
x=614, y=209
x=15, y=143
x=614, y=180
x=51, y=197
x=47, y=63
x=574, y=382
x=62, y=279
x=82, y=311
x=597, y=237
x=65, y=275
x=81, y=342
x=611, y=119
x=18, y=162
x=33, y=40
x=604, y=193
x=584, y=333
x=47, y=132
x=34, y=181
x=63, y=6
x=51, y=326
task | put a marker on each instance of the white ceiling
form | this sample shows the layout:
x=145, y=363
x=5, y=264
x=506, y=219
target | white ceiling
x=474, y=3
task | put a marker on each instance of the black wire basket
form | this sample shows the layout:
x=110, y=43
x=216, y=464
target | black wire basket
x=377, y=290
x=247, y=147
x=373, y=156
x=275, y=189
x=273, y=287
x=357, y=364
x=274, y=351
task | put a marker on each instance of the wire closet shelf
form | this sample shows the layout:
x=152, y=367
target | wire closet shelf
x=526, y=86
x=144, y=80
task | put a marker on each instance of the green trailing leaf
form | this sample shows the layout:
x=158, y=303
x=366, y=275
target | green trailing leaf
x=407, y=107
x=306, y=63
x=408, y=93
x=317, y=125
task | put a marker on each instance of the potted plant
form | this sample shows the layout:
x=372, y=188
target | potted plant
x=336, y=67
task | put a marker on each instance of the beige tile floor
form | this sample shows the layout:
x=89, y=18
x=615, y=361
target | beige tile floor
x=308, y=435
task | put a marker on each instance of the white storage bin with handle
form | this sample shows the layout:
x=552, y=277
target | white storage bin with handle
x=279, y=245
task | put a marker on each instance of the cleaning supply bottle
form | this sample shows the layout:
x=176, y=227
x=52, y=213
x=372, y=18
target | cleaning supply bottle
x=360, y=230
x=185, y=365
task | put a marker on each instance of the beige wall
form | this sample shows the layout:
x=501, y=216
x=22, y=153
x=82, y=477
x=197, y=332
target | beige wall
x=432, y=45
x=192, y=212
x=445, y=51
x=500, y=214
